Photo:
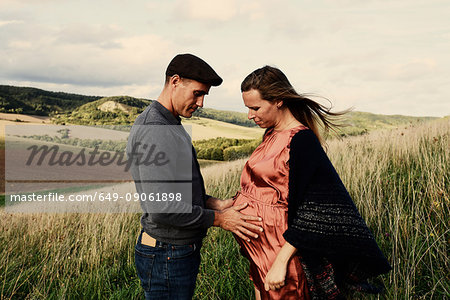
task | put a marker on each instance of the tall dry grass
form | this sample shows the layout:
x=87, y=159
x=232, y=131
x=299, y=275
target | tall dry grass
x=68, y=256
x=399, y=180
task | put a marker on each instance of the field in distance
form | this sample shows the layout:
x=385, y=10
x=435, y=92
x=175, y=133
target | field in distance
x=201, y=128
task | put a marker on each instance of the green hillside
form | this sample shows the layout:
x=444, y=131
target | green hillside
x=109, y=110
x=356, y=123
x=233, y=117
x=32, y=101
x=92, y=110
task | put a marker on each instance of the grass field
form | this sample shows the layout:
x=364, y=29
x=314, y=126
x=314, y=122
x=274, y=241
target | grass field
x=399, y=179
x=203, y=128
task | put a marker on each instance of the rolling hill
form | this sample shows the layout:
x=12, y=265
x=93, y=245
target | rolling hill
x=33, y=101
x=67, y=108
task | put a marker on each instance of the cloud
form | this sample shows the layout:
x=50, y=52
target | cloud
x=101, y=58
x=411, y=70
x=217, y=10
x=252, y=10
x=354, y=52
x=213, y=10
x=285, y=28
x=21, y=4
x=10, y=22
x=95, y=34
x=350, y=59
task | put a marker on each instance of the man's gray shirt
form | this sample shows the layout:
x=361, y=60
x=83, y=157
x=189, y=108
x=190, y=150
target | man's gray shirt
x=175, y=228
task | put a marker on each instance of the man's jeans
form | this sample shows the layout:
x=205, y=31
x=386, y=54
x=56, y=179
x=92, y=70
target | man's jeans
x=167, y=271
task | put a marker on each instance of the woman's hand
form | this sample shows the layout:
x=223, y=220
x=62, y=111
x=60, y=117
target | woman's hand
x=276, y=276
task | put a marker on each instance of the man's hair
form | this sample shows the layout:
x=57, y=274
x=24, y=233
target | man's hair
x=181, y=78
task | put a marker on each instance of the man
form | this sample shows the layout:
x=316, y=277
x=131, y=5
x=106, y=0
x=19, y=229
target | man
x=167, y=253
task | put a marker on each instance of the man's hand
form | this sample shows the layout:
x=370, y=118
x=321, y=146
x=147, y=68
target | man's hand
x=232, y=220
x=218, y=204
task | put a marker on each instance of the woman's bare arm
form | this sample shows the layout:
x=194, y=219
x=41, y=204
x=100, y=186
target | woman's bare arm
x=275, y=278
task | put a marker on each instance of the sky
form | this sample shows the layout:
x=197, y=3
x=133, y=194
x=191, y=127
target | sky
x=384, y=57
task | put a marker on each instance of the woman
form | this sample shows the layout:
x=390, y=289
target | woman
x=315, y=244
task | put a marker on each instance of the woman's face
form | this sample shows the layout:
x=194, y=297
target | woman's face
x=264, y=113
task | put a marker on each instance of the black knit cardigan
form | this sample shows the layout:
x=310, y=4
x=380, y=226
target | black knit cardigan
x=337, y=250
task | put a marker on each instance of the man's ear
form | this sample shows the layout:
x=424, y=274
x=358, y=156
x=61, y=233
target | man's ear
x=175, y=80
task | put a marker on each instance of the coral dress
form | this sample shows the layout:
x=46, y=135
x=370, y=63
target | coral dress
x=264, y=186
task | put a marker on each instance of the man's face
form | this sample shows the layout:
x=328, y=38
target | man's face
x=188, y=95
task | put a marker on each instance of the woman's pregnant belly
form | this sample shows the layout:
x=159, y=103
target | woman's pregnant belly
x=263, y=250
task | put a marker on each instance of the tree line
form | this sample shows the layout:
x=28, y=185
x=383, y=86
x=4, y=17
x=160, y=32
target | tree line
x=225, y=149
x=221, y=149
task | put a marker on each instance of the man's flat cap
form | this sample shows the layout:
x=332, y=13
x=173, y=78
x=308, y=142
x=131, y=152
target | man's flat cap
x=193, y=67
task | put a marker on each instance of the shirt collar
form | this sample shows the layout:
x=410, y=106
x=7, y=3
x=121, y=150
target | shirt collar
x=166, y=113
